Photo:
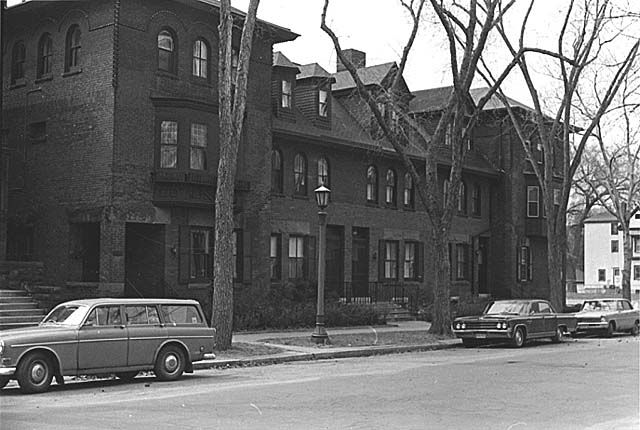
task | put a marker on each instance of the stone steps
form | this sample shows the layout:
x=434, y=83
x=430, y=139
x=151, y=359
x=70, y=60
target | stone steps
x=18, y=309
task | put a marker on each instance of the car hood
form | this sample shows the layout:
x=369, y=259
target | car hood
x=36, y=333
x=492, y=317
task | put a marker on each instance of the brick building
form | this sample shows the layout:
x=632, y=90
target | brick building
x=110, y=109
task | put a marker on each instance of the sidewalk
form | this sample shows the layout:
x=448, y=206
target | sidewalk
x=320, y=352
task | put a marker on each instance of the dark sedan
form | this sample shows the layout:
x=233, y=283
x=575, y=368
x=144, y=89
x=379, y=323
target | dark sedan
x=515, y=322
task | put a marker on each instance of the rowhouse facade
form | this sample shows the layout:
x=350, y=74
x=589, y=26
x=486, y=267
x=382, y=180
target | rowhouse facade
x=111, y=116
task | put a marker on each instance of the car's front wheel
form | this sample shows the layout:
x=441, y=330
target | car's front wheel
x=559, y=336
x=4, y=380
x=170, y=363
x=35, y=373
x=518, y=338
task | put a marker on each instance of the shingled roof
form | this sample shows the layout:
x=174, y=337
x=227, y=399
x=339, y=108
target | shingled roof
x=281, y=60
x=435, y=99
x=373, y=75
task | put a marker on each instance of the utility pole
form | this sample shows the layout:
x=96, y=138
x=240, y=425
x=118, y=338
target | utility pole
x=4, y=153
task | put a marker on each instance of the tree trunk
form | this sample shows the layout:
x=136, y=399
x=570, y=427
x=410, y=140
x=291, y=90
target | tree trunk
x=626, y=265
x=556, y=250
x=441, y=318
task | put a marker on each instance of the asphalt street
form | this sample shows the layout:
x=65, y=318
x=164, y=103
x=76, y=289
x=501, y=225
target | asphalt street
x=589, y=383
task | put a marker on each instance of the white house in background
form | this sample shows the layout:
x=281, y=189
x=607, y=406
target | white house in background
x=603, y=252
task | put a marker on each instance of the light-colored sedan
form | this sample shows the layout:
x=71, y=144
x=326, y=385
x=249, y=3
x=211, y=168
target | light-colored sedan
x=107, y=336
x=608, y=316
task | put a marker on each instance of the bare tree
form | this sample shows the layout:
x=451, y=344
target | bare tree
x=585, y=34
x=467, y=30
x=232, y=87
x=618, y=137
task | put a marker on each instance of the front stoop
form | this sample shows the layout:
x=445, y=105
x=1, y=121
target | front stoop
x=18, y=309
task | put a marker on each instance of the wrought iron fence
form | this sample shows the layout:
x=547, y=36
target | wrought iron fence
x=399, y=293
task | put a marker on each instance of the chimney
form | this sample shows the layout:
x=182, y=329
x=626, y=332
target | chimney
x=357, y=58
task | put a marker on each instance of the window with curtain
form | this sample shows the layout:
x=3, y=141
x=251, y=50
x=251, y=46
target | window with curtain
x=45, y=55
x=390, y=188
x=168, y=144
x=323, y=172
x=18, y=58
x=390, y=260
x=275, y=256
x=300, y=175
x=323, y=103
x=372, y=184
x=166, y=51
x=198, y=155
x=409, y=194
x=200, y=67
x=286, y=94
x=72, y=48
x=296, y=257
x=201, y=252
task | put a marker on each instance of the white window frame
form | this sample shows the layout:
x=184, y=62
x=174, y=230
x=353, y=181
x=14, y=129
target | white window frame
x=532, y=201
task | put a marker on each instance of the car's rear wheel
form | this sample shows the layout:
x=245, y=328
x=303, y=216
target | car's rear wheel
x=518, y=338
x=170, y=363
x=559, y=336
x=635, y=330
x=611, y=328
x=35, y=373
x=4, y=380
x=127, y=376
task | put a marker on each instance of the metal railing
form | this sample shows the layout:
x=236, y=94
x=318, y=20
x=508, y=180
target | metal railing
x=399, y=293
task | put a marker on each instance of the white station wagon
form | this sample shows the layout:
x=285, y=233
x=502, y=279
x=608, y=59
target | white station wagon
x=107, y=336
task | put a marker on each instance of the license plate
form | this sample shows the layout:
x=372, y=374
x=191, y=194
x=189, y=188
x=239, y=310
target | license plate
x=481, y=335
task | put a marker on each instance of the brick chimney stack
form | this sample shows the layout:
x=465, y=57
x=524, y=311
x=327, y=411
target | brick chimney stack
x=357, y=58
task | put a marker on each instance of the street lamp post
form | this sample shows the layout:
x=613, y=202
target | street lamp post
x=320, y=335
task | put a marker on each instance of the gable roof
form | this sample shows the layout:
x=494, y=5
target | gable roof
x=313, y=70
x=372, y=75
x=435, y=99
x=281, y=60
x=603, y=217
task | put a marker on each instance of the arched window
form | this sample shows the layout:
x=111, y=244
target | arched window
x=372, y=184
x=323, y=172
x=300, y=175
x=390, y=188
x=166, y=51
x=462, y=198
x=18, y=57
x=200, y=59
x=276, y=171
x=408, y=191
x=45, y=55
x=72, y=48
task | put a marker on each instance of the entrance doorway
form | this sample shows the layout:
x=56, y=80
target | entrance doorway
x=144, y=260
x=360, y=262
x=335, y=260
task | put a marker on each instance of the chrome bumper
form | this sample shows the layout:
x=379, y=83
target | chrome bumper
x=7, y=371
x=592, y=326
x=483, y=334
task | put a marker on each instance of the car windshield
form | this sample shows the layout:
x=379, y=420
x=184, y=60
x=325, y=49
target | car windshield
x=515, y=308
x=66, y=315
x=599, y=305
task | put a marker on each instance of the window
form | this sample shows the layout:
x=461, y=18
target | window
x=616, y=272
x=180, y=314
x=323, y=103
x=525, y=264
x=72, y=49
x=409, y=194
x=372, y=184
x=390, y=260
x=200, y=59
x=462, y=261
x=45, y=55
x=544, y=308
x=614, y=246
x=286, y=94
x=614, y=229
x=636, y=273
x=390, y=189
x=198, y=156
x=201, y=254
x=296, y=257
x=533, y=202
x=476, y=200
x=323, y=172
x=18, y=57
x=104, y=316
x=462, y=198
x=300, y=175
x=448, y=136
x=275, y=255
x=142, y=315
x=166, y=51
x=237, y=255
x=635, y=244
x=168, y=144
x=556, y=197
x=276, y=171
x=38, y=132
x=602, y=275
x=412, y=260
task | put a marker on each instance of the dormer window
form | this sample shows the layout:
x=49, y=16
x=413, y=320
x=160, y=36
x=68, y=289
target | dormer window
x=323, y=103
x=286, y=94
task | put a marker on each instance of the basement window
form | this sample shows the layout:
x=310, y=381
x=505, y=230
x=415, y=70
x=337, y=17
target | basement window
x=38, y=132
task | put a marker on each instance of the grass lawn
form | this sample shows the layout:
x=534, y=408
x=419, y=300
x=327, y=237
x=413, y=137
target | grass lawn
x=240, y=350
x=363, y=339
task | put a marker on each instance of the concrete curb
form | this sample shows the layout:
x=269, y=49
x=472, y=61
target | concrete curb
x=320, y=355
